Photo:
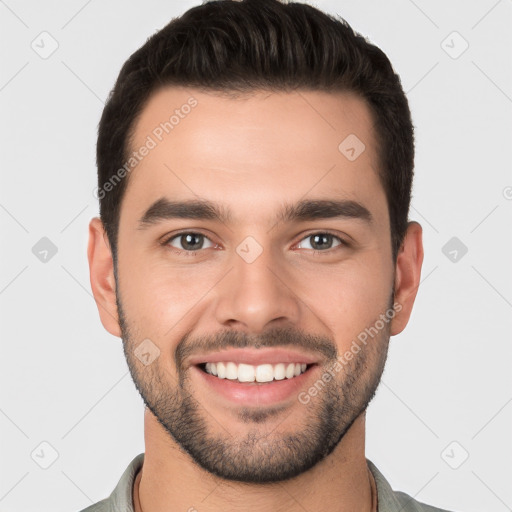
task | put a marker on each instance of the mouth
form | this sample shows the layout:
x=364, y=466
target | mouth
x=253, y=385
x=242, y=373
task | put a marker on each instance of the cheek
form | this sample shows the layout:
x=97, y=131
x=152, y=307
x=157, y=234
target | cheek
x=156, y=296
x=351, y=298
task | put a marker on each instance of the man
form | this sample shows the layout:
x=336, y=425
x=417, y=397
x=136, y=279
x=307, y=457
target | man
x=255, y=164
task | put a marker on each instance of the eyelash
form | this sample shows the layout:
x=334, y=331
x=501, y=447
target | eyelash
x=342, y=243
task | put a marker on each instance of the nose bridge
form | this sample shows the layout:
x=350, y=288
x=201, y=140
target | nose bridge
x=255, y=292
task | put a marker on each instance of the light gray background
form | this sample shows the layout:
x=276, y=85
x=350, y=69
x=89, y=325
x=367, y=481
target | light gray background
x=64, y=380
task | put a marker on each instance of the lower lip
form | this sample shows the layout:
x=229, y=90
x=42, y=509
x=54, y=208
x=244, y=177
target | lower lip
x=253, y=393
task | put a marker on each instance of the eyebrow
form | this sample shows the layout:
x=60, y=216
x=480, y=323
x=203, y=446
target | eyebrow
x=305, y=210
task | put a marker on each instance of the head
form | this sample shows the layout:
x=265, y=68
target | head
x=255, y=165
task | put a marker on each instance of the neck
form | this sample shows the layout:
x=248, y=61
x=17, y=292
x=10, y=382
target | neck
x=170, y=480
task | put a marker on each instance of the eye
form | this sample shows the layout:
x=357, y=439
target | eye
x=322, y=241
x=189, y=241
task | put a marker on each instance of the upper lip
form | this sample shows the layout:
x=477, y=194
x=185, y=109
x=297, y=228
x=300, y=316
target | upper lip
x=255, y=356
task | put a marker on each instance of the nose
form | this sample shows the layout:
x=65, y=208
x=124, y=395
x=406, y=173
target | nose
x=257, y=293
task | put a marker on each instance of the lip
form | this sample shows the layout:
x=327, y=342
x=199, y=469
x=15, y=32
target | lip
x=252, y=393
x=255, y=357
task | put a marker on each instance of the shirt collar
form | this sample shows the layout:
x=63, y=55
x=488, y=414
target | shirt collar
x=121, y=497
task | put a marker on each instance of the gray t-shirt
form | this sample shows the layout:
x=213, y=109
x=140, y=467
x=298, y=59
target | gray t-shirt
x=121, y=499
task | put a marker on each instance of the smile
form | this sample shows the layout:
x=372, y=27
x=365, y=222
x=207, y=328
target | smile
x=249, y=373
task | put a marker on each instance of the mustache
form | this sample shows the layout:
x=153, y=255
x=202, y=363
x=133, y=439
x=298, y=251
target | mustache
x=272, y=338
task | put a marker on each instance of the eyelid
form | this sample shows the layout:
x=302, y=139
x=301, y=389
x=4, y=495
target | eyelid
x=343, y=241
x=303, y=236
x=168, y=238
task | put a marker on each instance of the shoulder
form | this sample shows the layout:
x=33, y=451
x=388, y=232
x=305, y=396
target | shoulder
x=121, y=498
x=409, y=504
x=101, y=506
x=390, y=500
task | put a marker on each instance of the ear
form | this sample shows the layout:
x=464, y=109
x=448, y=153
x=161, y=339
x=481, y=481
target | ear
x=407, y=276
x=101, y=271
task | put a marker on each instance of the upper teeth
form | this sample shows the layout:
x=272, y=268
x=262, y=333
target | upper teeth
x=261, y=373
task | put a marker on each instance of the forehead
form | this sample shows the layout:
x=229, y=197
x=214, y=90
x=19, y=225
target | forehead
x=253, y=150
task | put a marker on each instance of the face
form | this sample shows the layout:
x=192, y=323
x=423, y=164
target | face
x=249, y=236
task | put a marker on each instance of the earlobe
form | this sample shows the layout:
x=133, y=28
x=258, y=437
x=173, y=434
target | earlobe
x=407, y=276
x=101, y=272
